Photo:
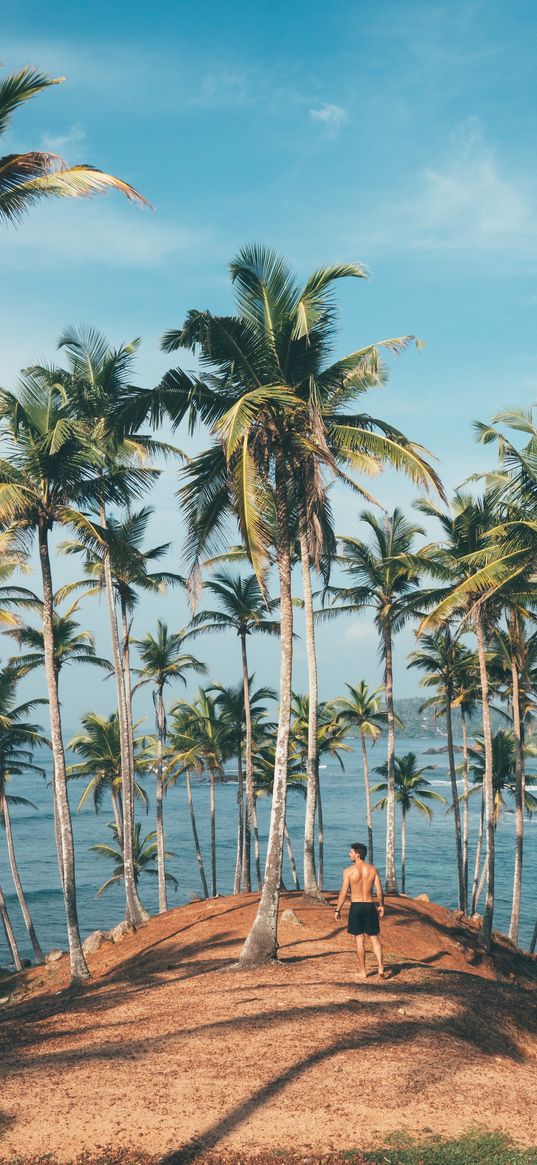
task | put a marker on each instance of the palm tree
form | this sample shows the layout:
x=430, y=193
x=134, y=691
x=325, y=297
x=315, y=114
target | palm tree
x=144, y=857
x=264, y=784
x=97, y=387
x=49, y=468
x=71, y=645
x=231, y=703
x=209, y=746
x=18, y=739
x=268, y=380
x=362, y=709
x=476, y=570
x=99, y=745
x=330, y=742
x=181, y=746
x=163, y=660
x=412, y=791
x=27, y=178
x=438, y=657
x=503, y=771
x=242, y=608
x=386, y=575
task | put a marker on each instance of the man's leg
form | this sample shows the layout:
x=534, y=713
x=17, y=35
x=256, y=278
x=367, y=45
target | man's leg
x=377, y=951
x=360, y=954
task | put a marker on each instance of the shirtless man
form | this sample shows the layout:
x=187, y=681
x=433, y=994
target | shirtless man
x=364, y=913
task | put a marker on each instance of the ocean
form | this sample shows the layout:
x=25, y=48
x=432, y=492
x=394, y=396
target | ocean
x=430, y=847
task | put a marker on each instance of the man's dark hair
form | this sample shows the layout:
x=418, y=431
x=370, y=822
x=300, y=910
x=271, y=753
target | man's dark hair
x=359, y=848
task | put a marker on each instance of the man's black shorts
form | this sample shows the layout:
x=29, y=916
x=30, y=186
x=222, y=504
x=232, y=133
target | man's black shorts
x=363, y=918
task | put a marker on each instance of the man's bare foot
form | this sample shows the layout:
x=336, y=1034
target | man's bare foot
x=382, y=973
x=361, y=976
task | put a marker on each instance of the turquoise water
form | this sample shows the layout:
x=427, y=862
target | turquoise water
x=430, y=847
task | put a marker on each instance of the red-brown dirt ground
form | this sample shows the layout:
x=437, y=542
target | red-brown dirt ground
x=172, y=1052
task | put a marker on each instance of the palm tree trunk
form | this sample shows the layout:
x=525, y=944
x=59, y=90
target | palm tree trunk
x=18, y=884
x=135, y=912
x=320, y=829
x=127, y=680
x=481, y=885
x=390, y=874
x=479, y=847
x=248, y=818
x=465, y=819
x=403, y=852
x=311, y=885
x=10, y=933
x=257, y=851
x=161, y=859
x=57, y=831
x=79, y=968
x=261, y=946
x=520, y=784
x=533, y=942
x=199, y=856
x=455, y=796
x=118, y=815
x=486, y=932
x=240, y=822
x=291, y=856
x=368, y=810
x=213, y=834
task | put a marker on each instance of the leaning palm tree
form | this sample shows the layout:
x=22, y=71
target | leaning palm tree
x=412, y=791
x=385, y=573
x=18, y=740
x=49, y=467
x=363, y=709
x=26, y=178
x=144, y=857
x=266, y=379
x=163, y=660
x=99, y=746
x=243, y=609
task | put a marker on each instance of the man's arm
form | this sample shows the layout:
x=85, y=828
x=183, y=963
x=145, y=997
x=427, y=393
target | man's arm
x=377, y=886
x=345, y=887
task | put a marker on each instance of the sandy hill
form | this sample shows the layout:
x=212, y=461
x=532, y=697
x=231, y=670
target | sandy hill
x=172, y=1051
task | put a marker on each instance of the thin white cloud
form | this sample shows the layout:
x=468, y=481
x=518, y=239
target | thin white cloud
x=96, y=234
x=471, y=203
x=70, y=140
x=227, y=88
x=331, y=117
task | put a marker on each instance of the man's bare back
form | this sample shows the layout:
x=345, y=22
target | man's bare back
x=361, y=880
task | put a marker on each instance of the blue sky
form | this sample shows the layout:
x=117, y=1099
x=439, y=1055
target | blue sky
x=400, y=135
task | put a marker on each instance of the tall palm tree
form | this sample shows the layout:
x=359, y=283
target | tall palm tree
x=163, y=660
x=71, y=645
x=209, y=739
x=242, y=608
x=18, y=739
x=385, y=574
x=476, y=570
x=231, y=703
x=268, y=378
x=144, y=857
x=437, y=658
x=97, y=386
x=412, y=791
x=362, y=709
x=25, y=178
x=99, y=745
x=48, y=468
